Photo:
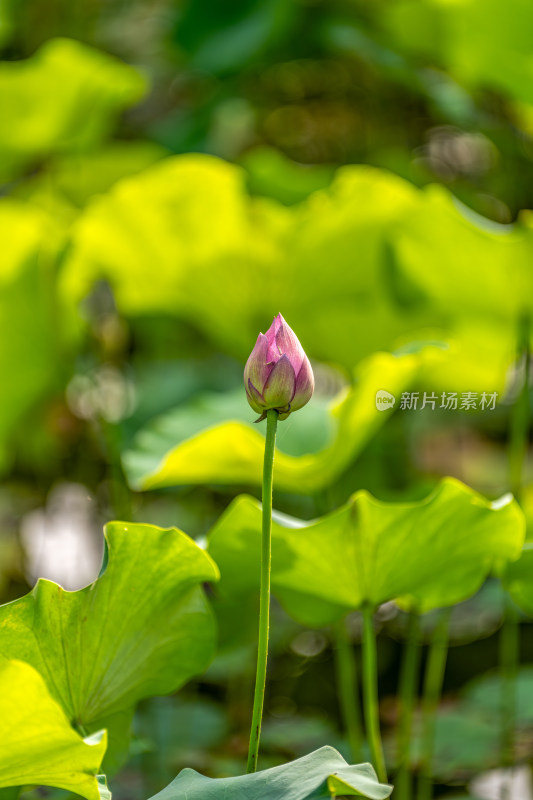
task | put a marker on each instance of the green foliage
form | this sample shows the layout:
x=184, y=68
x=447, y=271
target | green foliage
x=147, y=459
x=518, y=581
x=37, y=742
x=28, y=318
x=7, y=23
x=481, y=42
x=271, y=174
x=488, y=261
x=463, y=744
x=483, y=696
x=481, y=282
x=116, y=253
x=73, y=178
x=207, y=450
x=425, y=555
x=468, y=726
x=193, y=217
x=46, y=102
x=143, y=628
x=221, y=39
x=162, y=216
x=322, y=774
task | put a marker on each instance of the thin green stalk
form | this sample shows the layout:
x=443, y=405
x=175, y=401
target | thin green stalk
x=347, y=689
x=519, y=427
x=120, y=495
x=407, y=699
x=520, y=418
x=434, y=678
x=370, y=694
x=264, y=601
x=509, y=660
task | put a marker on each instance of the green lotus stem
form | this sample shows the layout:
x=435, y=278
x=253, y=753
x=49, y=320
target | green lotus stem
x=520, y=418
x=407, y=699
x=119, y=493
x=509, y=660
x=347, y=686
x=519, y=426
x=370, y=693
x=264, y=600
x=434, y=678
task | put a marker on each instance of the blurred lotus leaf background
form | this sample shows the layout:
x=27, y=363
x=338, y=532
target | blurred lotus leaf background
x=175, y=173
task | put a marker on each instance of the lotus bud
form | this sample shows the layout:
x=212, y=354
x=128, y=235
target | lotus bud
x=278, y=373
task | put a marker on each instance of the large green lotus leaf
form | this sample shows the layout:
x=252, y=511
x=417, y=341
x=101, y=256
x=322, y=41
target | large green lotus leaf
x=477, y=267
x=37, y=742
x=321, y=775
x=306, y=433
x=481, y=351
x=143, y=628
x=480, y=282
x=337, y=262
x=426, y=554
x=231, y=452
x=193, y=217
x=64, y=98
x=28, y=316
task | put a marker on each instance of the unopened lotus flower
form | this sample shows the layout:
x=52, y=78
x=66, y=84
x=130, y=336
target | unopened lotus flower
x=278, y=373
